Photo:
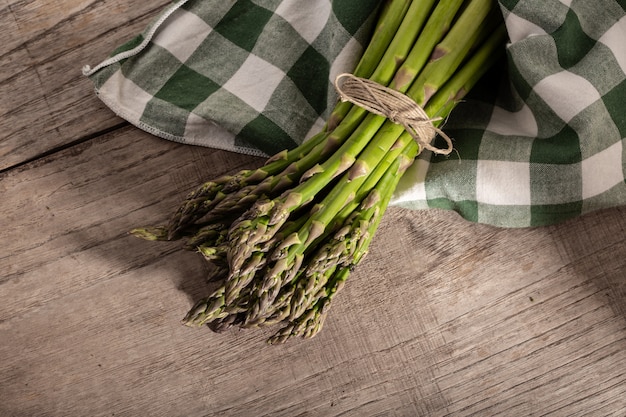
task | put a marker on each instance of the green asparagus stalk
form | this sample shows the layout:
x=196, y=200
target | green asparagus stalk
x=386, y=52
x=394, y=56
x=311, y=322
x=208, y=195
x=289, y=254
x=288, y=234
x=278, y=210
x=348, y=245
x=202, y=199
x=436, y=27
x=472, y=26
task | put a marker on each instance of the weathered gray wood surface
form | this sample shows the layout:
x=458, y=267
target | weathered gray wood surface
x=443, y=318
x=43, y=46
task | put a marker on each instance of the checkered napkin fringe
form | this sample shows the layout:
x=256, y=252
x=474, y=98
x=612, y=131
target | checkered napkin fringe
x=540, y=140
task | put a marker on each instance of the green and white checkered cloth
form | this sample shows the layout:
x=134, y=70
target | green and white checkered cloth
x=540, y=140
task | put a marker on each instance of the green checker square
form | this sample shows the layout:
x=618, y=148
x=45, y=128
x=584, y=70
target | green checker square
x=332, y=39
x=187, y=89
x=227, y=110
x=466, y=144
x=280, y=44
x=151, y=69
x=547, y=14
x=211, y=59
x=161, y=115
x=101, y=76
x=242, y=143
x=508, y=97
x=555, y=184
x=562, y=148
x=310, y=74
x=508, y=5
x=614, y=196
x=519, y=84
x=595, y=128
x=211, y=11
x=494, y=87
x=352, y=14
x=133, y=43
x=504, y=215
x=265, y=135
x=298, y=119
x=614, y=102
x=600, y=68
x=452, y=180
x=597, y=16
x=571, y=41
x=365, y=32
x=467, y=209
x=544, y=215
x=470, y=114
x=243, y=23
x=270, y=5
x=496, y=147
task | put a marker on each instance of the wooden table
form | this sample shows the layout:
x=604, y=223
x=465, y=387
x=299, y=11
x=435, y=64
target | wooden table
x=443, y=318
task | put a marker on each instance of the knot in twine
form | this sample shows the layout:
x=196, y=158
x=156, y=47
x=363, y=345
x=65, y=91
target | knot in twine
x=395, y=106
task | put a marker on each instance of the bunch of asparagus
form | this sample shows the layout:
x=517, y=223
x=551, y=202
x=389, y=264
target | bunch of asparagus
x=286, y=236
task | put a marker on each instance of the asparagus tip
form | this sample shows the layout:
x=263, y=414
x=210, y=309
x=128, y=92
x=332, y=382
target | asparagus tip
x=151, y=233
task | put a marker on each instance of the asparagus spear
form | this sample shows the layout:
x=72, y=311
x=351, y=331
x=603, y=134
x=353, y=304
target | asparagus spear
x=404, y=35
x=308, y=313
x=277, y=211
x=307, y=218
x=208, y=195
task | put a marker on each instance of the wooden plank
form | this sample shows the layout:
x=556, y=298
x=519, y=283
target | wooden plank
x=46, y=101
x=443, y=318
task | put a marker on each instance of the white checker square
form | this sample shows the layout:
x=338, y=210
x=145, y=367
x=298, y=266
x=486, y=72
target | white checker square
x=255, y=82
x=567, y=93
x=203, y=132
x=519, y=123
x=615, y=39
x=182, y=35
x=520, y=28
x=298, y=13
x=503, y=182
x=346, y=60
x=119, y=92
x=602, y=171
x=412, y=186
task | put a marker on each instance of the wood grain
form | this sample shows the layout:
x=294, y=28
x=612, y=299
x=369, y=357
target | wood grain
x=444, y=318
x=46, y=102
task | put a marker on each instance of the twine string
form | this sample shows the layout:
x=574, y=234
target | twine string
x=395, y=106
